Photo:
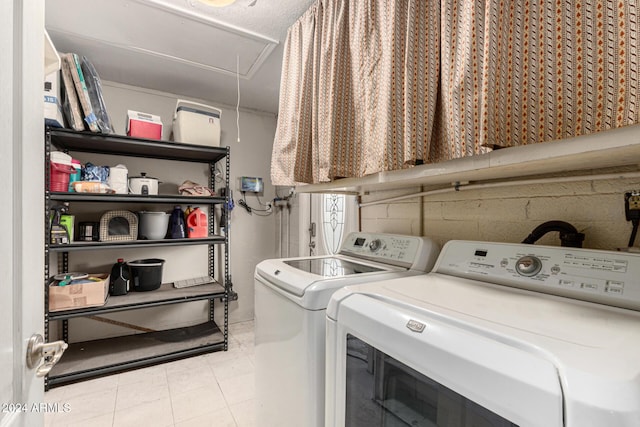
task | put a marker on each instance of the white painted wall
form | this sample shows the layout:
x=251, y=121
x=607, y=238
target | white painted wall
x=253, y=238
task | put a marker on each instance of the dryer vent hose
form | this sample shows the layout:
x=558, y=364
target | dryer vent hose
x=569, y=236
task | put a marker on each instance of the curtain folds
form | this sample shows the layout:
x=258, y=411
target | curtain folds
x=295, y=131
x=557, y=69
x=376, y=85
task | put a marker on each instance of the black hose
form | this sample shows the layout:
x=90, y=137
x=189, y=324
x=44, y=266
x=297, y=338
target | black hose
x=569, y=235
x=634, y=231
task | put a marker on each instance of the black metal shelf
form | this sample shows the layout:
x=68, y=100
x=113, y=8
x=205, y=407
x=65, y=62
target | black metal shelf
x=82, y=246
x=89, y=359
x=165, y=295
x=134, y=198
x=89, y=142
x=99, y=357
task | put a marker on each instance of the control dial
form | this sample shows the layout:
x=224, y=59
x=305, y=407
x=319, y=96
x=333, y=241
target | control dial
x=528, y=266
x=374, y=245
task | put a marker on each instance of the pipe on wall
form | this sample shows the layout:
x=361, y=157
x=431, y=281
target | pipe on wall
x=579, y=178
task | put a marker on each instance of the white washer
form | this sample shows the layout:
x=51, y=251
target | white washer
x=291, y=296
x=496, y=335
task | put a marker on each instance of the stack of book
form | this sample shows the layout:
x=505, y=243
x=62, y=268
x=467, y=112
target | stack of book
x=83, y=104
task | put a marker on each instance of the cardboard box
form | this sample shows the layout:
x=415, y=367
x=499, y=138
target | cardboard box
x=85, y=293
x=195, y=123
x=143, y=125
x=52, y=106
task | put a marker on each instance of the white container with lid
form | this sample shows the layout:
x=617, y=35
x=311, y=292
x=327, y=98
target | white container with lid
x=61, y=158
x=118, y=179
x=195, y=123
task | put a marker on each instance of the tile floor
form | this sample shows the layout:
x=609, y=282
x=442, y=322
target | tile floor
x=215, y=389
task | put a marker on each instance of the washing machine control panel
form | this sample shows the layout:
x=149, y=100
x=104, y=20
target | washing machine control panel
x=528, y=265
x=605, y=277
x=399, y=250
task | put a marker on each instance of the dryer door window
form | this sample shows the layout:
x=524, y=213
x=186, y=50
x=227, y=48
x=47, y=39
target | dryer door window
x=382, y=391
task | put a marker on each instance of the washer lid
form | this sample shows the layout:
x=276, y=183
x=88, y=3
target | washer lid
x=330, y=266
x=311, y=281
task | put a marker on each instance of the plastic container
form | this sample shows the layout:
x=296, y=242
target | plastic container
x=195, y=123
x=68, y=222
x=144, y=125
x=60, y=157
x=177, y=229
x=119, y=279
x=59, y=177
x=118, y=179
x=197, y=224
x=76, y=176
x=153, y=225
x=146, y=274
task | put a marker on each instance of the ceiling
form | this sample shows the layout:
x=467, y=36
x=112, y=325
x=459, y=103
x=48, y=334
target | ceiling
x=182, y=47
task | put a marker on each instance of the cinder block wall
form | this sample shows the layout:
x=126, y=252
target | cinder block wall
x=508, y=214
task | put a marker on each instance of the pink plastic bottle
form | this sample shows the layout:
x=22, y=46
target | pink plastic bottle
x=197, y=224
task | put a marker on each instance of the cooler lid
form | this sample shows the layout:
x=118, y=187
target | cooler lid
x=196, y=111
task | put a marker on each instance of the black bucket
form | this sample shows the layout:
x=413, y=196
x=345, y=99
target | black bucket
x=146, y=274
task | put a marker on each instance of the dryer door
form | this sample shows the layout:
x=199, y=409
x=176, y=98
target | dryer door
x=389, y=366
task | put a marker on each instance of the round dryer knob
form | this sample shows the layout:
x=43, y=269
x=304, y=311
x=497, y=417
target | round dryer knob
x=374, y=245
x=528, y=265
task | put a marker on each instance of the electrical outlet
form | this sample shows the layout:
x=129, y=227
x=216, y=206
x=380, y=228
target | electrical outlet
x=632, y=205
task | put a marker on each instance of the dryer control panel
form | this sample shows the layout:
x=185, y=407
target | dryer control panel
x=417, y=253
x=605, y=277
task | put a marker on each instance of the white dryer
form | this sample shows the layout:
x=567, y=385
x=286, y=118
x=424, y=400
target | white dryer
x=291, y=296
x=496, y=335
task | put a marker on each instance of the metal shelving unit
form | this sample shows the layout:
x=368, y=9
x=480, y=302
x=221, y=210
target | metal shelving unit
x=98, y=357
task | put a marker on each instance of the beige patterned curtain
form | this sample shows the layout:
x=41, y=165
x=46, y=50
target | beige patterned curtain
x=374, y=84
x=400, y=82
x=521, y=72
x=295, y=133
x=377, y=85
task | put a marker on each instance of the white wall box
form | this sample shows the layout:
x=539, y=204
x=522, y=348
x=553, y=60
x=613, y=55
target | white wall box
x=91, y=358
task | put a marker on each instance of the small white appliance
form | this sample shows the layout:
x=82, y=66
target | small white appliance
x=496, y=335
x=291, y=297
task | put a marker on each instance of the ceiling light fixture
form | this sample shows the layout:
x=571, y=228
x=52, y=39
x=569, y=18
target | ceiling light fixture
x=217, y=3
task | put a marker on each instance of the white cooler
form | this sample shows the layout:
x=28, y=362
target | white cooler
x=195, y=123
